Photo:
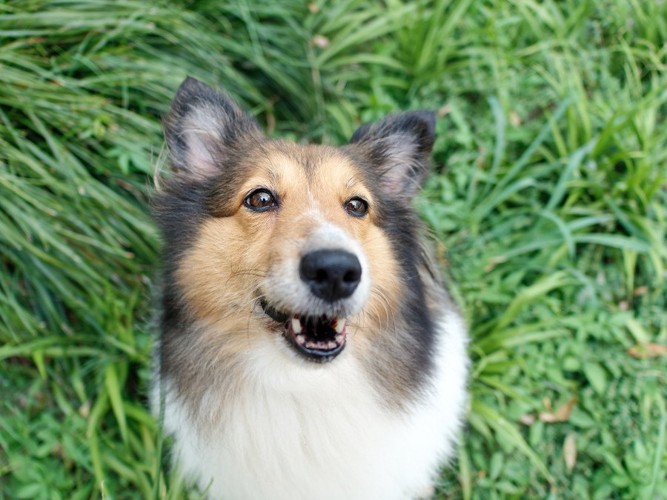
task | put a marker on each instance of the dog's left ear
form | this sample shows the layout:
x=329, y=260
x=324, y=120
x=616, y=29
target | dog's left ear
x=398, y=148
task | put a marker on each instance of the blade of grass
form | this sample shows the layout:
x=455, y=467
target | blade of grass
x=501, y=426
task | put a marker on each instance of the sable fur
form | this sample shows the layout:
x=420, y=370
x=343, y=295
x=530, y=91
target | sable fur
x=220, y=357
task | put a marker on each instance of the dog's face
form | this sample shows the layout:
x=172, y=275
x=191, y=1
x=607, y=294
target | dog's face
x=294, y=249
x=291, y=243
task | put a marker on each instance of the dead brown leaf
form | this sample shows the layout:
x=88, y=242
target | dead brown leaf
x=570, y=451
x=527, y=419
x=320, y=41
x=84, y=410
x=650, y=350
x=561, y=414
x=444, y=111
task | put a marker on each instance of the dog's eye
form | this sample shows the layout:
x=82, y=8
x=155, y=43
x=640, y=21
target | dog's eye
x=260, y=200
x=356, y=207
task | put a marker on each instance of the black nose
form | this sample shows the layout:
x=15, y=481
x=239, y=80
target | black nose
x=330, y=274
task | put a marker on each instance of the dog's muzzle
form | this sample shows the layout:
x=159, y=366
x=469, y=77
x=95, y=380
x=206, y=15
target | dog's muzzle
x=330, y=276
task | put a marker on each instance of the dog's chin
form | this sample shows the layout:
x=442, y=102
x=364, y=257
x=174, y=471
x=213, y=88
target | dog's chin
x=318, y=339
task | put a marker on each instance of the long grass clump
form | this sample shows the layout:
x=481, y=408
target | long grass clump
x=549, y=196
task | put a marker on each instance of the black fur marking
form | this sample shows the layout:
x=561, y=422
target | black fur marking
x=393, y=155
x=403, y=229
x=179, y=211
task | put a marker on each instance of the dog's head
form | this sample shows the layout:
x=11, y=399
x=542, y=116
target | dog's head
x=269, y=239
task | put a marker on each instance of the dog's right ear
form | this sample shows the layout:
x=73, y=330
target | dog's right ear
x=397, y=149
x=203, y=127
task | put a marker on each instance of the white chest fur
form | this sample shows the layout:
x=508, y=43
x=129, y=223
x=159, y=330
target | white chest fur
x=302, y=433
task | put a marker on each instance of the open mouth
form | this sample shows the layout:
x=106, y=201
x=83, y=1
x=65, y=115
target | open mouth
x=317, y=338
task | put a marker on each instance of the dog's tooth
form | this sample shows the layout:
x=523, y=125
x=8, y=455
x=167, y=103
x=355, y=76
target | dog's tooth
x=300, y=339
x=331, y=345
x=340, y=325
x=296, y=325
x=339, y=338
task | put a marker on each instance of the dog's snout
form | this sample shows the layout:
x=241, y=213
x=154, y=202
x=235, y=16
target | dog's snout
x=330, y=274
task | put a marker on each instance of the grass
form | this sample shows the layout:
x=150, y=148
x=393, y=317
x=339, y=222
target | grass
x=549, y=193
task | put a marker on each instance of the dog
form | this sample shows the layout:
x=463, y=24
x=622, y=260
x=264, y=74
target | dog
x=308, y=347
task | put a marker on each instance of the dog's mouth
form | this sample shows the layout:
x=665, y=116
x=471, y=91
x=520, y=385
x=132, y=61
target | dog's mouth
x=317, y=338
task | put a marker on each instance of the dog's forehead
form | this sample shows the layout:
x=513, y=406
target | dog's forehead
x=316, y=168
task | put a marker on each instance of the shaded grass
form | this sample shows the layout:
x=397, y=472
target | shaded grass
x=550, y=191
